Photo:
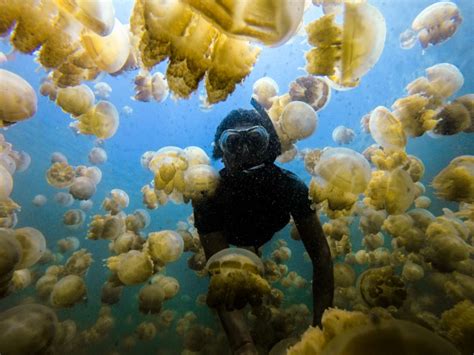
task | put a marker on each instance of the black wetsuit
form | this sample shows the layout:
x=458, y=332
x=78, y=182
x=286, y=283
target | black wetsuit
x=250, y=208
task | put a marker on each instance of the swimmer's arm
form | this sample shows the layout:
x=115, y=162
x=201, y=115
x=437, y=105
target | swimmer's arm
x=315, y=243
x=233, y=322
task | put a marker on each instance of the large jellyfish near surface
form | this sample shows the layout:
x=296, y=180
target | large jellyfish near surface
x=434, y=25
x=346, y=52
x=456, y=181
x=27, y=329
x=18, y=99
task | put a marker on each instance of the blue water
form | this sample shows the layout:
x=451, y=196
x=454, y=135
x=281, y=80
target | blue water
x=181, y=123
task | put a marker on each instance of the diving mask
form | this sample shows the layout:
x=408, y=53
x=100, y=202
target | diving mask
x=234, y=141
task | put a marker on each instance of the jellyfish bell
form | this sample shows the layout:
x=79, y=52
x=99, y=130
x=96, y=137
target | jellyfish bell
x=33, y=244
x=201, y=180
x=97, y=156
x=159, y=87
x=102, y=120
x=60, y=175
x=6, y=183
x=39, y=200
x=74, y=218
x=343, y=135
x=75, y=100
x=311, y=89
x=264, y=89
x=452, y=119
x=82, y=188
x=445, y=79
x=164, y=246
x=102, y=90
x=18, y=101
x=196, y=155
x=298, y=120
x=68, y=291
x=22, y=160
x=387, y=130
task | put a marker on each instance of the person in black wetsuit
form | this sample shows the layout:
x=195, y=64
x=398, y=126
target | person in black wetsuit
x=254, y=199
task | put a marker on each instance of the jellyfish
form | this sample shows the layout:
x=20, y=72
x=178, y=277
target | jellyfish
x=412, y=272
x=445, y=79
x=76, y=100
x=264, y=89
x=27, y=328
x=313, y=90
x=127, y=241
x=168, y=284
x=82, y=188
x=343, y=135
x=97, y=156
x=387, y=130
x=6, y=183
x=109, y=53
x=48, y=88
x=58, y=157
x=127, y=110
x=298, y=120
x=456, y=181
x=452, y=119
x=74, y=218
x=346, y=53
x=18, y=100
x=102, y=120
x=86, y=205
x=93, y=173
x=159, y=87
x=468, y=102
x=137, y=221
x=78, y=263
x=195, y=156
x=132, y=268
x=110, y=293
x=68, y=291
x=414, y=114
x=102, y=90
x=45, y=284
x=10, y=257
x=201, y=181
x=434, y=25
x=146, y=331
x=22, y=160
x=117, y=201
x=39, y=200
x=68, y=244
x=165, y=246
x=33, y=244
x=150, y=299
x=60, y=175
x=64, y=199
x=106, y=227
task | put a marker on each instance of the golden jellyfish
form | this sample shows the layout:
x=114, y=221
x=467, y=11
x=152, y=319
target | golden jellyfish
x=33, y=245
x=18, y=98
x=102, y=90
x=68, y=291
x=44, y=285
x=78, y=263
x=6, y=183
x=97, y=156
x=21, y=279
x=343, y=135
x=138, y=220
x=93, y=173
x=344, y=275
x=434, y=25
x=110, y=293
x=313, y=90
x=116, y=201
x=102, y=120
x=127, y=241
x=468, y=102
x=413, y=113
x=10, y=257
x=196, y=155
x=168, y=284
x=387, y=130
x=150, y=299
x=344, y=53
x=245, y=19
x=445, y=79
x=264, y=89
x=68, y=244
x=146, y=331
x=39, y=200
x=132, y=268
x=452, y=119
x=60, y=175
x=201, y=181
x=298, y=120
x=97, y=16
x=456, y=181
x=27, y=329
x=106, y=227
x=82, y=188
x=75, y=100
x=164, y=246
x=111, y=52
x=74, y=218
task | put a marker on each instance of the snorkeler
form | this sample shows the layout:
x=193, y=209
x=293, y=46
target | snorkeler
x=254, y=200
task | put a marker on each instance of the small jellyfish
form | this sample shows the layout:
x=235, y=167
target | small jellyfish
x=68, y=244
x=298, y=120
x=165, y=246
x=168, y=284
x=97, y=156
x=58, y=157
x=117, y=201
x=139, y=220
x=150, y=299
x=39, y=200
x=437, y=23
x=407, y=39
x=33, y=245
x=102, y=120
x=132, y=268
x=102, y=90
x=127, y=111
x=18, y=101
x=82, y=188
x=468, y=102
x=93, y=173
x=106, y=227
x=159, y=87
x=343, y=135
x=64, y=199
x=22, y=160
x=68, y=291
x=313, y=90
x=48, y=88
x=60, y=175
x=6, y=183
x=75, y=100
x=146, y=158
x=264, y=89
x=74, y=218
x=86, y=205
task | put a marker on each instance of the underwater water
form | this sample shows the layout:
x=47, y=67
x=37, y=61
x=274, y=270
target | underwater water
x=184, y=122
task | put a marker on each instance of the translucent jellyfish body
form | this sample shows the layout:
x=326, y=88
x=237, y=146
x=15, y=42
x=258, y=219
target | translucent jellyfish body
x=196, y=155
x=346, y=53
x=64, y=199
x=235, y=279
x=343, y=135
x=102, y=120
x=18, y=100
x=452, y=119
x=386, y=130
x=74, y=218
x=264, y=89
x=468, y=102
x=298, y=120
x=116, y=201
x=159, y=87
x=169, y=285
x=60, y=175
x=68, y=244
x=393, y=191
x=445, y=79
x=169, y=165
x=414, y=114
x=33, y=245
x=106, y=227
x=10, y=257
x=82, y=188
x=68, y=291
x=138, y=220
x=39, y=200
x=97, y=156
x=434, y=25
x=28, y=328
x=313, y=90
x=201, y=181
x=75, y=100
x=111, y=52
x=6, y=183
x=456, y=181
x=150, y=299
x=98, y=17
x=132, y=268
x=272, y=24
x=102, y=90
x=164, y=246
